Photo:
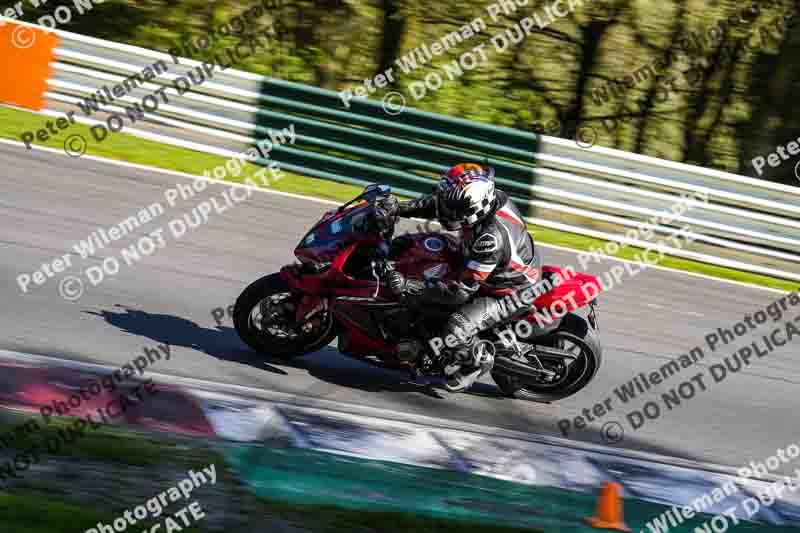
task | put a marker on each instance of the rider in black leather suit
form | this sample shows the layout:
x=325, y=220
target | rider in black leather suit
x=498, y=258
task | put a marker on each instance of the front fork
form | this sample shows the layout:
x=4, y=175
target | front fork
x=593, y=314
x=308, y=307
x=309, y=304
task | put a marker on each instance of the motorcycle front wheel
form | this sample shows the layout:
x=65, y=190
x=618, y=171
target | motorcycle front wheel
x=264, y=318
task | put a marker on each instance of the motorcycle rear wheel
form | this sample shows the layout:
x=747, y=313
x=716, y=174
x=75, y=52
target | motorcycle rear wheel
x=278, y=334
x=576, y=331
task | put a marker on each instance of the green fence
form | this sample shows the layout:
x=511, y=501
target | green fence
x=409, y=150
x=559, y=184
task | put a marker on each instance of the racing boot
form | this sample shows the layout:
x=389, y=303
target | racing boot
x=469, y=364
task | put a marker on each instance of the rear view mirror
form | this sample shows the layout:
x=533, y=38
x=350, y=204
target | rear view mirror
x=377, y=188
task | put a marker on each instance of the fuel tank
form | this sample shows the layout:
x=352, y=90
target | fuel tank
x=426, y=255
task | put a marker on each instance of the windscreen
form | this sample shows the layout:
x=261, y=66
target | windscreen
x=335, y=229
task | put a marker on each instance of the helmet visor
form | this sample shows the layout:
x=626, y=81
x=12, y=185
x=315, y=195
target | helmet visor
x=451, y=212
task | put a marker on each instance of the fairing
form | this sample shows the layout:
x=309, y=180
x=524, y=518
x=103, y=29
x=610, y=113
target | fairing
x=325, y=250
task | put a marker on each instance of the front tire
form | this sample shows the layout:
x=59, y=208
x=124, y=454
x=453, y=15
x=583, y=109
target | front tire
x=264, y=319
x=576, y=331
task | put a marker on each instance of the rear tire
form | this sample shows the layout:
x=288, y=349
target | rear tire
x=271, y=292
x=575, y=330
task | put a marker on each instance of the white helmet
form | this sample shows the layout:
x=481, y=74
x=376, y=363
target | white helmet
x=465, y=195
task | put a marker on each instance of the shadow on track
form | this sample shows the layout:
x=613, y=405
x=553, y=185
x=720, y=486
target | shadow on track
x=482, y=405
x=222, y=342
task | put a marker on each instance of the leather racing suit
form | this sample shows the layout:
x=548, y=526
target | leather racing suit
x=498, y=258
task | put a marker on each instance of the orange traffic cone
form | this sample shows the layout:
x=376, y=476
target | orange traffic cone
x=608, y=514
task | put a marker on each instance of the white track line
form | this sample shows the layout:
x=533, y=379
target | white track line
x=332, y=202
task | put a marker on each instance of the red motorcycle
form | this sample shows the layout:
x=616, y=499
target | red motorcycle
x=336, y=291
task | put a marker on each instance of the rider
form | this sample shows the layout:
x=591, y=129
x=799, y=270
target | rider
x=498, y=257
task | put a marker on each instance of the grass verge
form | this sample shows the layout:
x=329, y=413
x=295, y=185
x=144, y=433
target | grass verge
x=33, y=513
x=106, y=443
x=330, y=519
x=34, y=507
x=133, y=149
x=36, y=512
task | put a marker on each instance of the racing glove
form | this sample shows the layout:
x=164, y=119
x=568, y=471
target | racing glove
x=400, y=285
x=388, y=205
x=379, y=220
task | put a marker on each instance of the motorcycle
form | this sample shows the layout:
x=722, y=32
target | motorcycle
x=336, y=291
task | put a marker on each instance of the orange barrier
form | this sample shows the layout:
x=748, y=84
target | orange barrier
x=609, y=509
x=25, y=55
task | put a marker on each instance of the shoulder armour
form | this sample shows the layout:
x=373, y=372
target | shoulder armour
x=486, y=243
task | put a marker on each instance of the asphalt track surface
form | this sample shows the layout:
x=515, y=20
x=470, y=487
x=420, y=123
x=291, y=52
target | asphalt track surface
x=50, y=201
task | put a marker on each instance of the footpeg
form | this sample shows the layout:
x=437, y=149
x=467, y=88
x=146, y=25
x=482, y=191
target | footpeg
x=408, y=350
x=483, y=352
